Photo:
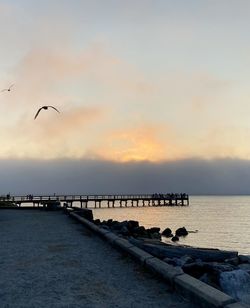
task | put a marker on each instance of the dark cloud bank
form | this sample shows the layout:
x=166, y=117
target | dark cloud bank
x=193, y=176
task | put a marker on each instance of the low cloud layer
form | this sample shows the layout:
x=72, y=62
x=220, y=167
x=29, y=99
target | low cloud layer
x=194, y=176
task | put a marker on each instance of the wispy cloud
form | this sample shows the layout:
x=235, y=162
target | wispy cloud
x=59, y=78
x=51, y=135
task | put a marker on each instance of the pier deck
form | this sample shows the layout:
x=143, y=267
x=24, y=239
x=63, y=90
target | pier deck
x=109, y=201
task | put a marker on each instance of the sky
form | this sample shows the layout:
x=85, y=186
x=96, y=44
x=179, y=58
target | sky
x=139, y=84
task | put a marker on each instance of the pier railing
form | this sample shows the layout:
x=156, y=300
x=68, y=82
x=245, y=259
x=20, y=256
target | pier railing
x=167, y=199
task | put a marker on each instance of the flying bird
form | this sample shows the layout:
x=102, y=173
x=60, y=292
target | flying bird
x=8, y=89
x=45, y=108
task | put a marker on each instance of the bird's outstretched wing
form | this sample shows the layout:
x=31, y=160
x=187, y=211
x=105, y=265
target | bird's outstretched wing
x=54, y=108
x=38, y=112
x=8, y=88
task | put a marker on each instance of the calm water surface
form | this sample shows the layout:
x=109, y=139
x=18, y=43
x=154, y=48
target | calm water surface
x=222, y=221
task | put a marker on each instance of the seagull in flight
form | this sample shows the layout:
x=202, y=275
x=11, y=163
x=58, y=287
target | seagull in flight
x=45, y=108
x=8, y=89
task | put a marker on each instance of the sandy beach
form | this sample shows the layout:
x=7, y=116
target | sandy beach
x=49, y=260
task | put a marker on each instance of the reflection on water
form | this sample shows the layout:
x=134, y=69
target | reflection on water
x=223, y=221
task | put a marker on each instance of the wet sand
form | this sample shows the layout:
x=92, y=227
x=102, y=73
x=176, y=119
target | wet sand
x=49, y=260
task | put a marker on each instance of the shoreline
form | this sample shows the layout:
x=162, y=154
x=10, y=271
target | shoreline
x=210, y=268
x=173, y=274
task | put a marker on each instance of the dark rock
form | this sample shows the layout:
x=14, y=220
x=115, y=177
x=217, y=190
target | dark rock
x=183, y=260
x=97, y=221
x=109, y=222
x=215, y=268
x=181, y=232
x=175, y=238
x=211, y=280
x=245, y=267
x=114, y=223
x=244, y=259
x=171, y=251
x=194, y=269
x=237, y=285
x=124, y=231
x=233, y=261
x=140, y=232
x=132, y=224
x=116, y=226
x=121, y=224
x=169, y=261
x=105, y=227
x=155, y=235
x=167, y=232
x=154, y=230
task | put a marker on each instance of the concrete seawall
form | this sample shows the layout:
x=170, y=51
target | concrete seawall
x=191, y=288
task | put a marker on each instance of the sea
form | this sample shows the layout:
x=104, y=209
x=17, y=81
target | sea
x=214, y=221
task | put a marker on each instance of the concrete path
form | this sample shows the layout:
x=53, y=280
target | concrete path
x=49, y=260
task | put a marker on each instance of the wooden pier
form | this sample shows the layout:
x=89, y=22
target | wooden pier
x=100, y=201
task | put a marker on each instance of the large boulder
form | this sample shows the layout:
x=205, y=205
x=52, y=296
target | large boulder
x=167, y=232
x=132, y=224
x=140, y=232
x=97, y=222
x=245, y=267
x=109, y=222
x=211, y=280
x=181, y=232
x=236, y=284
x=244, y=259
x=195, y=269
x=175, y=238
x=154, y=233
x=124, y=231
x=154, y=230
